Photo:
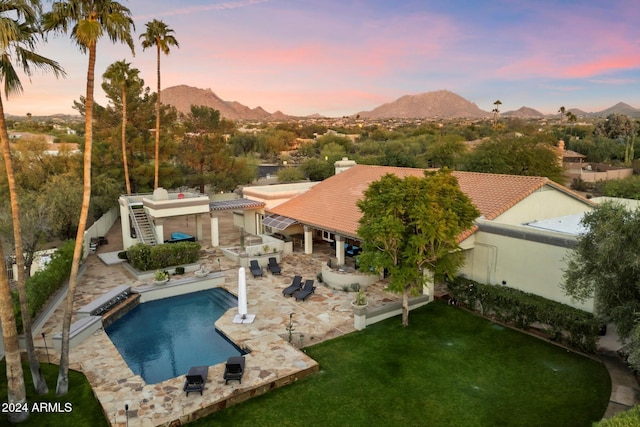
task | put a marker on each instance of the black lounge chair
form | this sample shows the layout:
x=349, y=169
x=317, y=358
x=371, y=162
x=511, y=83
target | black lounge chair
x=274, y=268
x=306, y=290
x=294, y=286
x=255, y=268
x=196, y=378
x=234, y=369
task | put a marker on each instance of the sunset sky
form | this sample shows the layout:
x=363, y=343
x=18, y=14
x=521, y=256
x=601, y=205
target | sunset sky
x=341, y=57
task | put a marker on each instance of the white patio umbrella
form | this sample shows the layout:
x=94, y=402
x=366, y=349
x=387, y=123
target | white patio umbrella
x=242, y=292
x=242, y=316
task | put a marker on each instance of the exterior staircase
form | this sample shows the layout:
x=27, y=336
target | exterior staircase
x=145, y=231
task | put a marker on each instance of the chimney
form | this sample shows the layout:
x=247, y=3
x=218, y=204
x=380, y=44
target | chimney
x=343, y=165
x=560, y=150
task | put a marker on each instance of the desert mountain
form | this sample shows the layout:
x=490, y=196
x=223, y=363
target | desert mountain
x=183, y=97
x=524, y=113
x=619, y=108
x=438, y=104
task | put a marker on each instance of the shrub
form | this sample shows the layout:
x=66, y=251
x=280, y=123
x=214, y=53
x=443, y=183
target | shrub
x=144, y=257
x=578, y=328
x=45, y=282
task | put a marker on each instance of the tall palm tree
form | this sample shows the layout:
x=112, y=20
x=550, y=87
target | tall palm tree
x=19, y=36
x=562, y=112
x=122, y=75
x=496, y=112
x=86, y=21
x=160, y=35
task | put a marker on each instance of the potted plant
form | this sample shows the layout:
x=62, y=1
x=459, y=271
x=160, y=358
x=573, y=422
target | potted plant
x=161, y=277
x=360, y=301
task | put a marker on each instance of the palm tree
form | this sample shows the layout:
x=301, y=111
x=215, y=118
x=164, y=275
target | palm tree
x=160, y=35
x=562, y=112
x=87, y=21
x=572, y=120
x=18, y=27
x=496, y=112
x=122, y=75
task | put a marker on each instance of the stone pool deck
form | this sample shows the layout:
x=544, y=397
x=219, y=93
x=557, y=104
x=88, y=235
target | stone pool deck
x=272, y=362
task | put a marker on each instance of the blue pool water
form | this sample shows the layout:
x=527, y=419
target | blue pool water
x=162, y=339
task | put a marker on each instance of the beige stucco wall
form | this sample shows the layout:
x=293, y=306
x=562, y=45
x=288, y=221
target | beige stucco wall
x=525, y=265
x=543, y=204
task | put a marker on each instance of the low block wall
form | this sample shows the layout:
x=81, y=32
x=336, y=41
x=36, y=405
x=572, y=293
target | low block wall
x=182, y=286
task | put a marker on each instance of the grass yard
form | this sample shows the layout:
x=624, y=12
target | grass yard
x=448, y=368
x=85, y=409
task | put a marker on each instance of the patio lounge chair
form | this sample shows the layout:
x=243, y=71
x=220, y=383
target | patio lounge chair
x=294, y=286
x=274, y=268
x=234, y=369
x=255, y=268
x=196, y=378
x=306, y=290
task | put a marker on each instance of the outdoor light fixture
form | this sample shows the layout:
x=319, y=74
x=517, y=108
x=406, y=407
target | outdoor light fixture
x=45, y=347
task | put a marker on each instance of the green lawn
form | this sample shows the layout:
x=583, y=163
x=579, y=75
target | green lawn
x=448, y=368
x=85, y=410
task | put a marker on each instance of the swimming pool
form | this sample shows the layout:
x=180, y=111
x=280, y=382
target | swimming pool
x=162, y=339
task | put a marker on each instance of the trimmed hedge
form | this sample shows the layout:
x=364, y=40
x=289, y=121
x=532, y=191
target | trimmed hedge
x=46, y=282
x=577, y=328
x=629, y=418
x=145, y=257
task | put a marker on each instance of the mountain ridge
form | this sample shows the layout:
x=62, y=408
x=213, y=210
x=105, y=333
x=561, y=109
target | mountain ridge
x=440, y=104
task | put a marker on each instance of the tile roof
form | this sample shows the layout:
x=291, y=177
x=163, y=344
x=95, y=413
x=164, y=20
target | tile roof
x=331, y=205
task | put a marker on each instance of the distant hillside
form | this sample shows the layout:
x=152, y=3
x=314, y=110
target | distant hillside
x=438, y=104
x=183, y=97
x=524, y=113
x=619, y=108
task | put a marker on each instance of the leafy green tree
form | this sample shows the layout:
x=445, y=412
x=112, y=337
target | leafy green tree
x=619, y=127
x=87, y=21
x=20, y=33
x=604, y=265
x=243, y=143
x=447, y=151
x=410, y=226
x=290, y=174
x=203, y=149
x=530, y=156
x=158, y=34
x=316, y=169
x=272, y=141
x=62, y=196
x=628, y=188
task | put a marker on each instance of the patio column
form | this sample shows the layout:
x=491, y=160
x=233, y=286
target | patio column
x=215, y=238
x=429, y=286
x=159, y=225
x=125, y=226
x=340, y=249
x=199, y=235
x=308, y=240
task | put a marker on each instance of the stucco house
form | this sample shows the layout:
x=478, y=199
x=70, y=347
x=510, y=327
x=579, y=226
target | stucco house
x=507, y=245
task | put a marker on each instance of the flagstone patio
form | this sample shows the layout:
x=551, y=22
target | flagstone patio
x=273, y=361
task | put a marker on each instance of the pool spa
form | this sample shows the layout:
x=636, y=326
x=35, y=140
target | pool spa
x=162, y=339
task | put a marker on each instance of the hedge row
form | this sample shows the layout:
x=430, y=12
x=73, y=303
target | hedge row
x=145, y=257
x=577, y=328
x=45, y=282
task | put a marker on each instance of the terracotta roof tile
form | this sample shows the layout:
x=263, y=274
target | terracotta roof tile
x=331, y=204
